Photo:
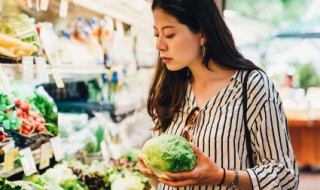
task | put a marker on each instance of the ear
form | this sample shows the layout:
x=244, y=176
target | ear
x=203, y=38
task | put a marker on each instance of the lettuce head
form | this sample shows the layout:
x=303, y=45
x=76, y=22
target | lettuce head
x=169, y=153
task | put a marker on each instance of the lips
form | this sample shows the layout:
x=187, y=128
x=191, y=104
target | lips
x=166, y=59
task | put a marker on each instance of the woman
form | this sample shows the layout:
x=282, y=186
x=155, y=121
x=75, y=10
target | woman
x=199, y=75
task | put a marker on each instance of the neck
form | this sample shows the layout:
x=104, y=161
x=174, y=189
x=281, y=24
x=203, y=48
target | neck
x=202, y=75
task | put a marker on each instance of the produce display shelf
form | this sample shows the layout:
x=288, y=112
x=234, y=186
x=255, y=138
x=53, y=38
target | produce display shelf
x=16, y=69
x=85, y=107
x=17, y=169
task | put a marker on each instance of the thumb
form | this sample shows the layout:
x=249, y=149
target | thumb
x=196, y=150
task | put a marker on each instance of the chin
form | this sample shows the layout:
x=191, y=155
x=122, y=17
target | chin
x=174, y=67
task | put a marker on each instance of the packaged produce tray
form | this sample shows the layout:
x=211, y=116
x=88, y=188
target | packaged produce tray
x=33, y=141
x=22, y=140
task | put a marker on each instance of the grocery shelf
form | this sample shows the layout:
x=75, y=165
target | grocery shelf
x=17, y=169
x=86, y=107
x=117, y=114
x=133, y=12
x=16, y=172
x=79, y=69
x=16, y=69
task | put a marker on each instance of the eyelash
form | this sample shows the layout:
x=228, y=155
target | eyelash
x=169, y=37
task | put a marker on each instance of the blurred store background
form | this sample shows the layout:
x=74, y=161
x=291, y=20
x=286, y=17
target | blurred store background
x=84, y=67
x=283, y=37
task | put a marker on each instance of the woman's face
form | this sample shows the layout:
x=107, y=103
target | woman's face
x=178, y=46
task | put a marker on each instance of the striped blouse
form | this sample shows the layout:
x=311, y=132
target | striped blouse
x=220, y=133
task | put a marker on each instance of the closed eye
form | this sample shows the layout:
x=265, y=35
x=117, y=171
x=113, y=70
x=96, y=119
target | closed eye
x=170, y=36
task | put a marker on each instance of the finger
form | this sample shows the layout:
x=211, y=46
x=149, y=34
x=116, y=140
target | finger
x=140, y=160
x=196, y=150
x=147, y=174
x=182, y=183
x=144, y=169
x=140, y=157
x=181, y=175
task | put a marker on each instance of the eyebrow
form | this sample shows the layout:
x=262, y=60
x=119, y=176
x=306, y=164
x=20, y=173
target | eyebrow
x=165, y=27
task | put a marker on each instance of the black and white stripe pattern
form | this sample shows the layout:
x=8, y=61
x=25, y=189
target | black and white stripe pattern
x=219, y=133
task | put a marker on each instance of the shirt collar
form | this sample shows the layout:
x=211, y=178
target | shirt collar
x=237, y=76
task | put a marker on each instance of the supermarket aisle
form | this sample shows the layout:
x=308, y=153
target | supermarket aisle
x=309, y=181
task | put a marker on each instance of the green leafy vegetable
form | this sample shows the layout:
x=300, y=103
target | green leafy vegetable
x=11, y=121
x=169, y=153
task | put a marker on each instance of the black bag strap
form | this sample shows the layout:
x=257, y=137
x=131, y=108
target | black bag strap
x=247, y=133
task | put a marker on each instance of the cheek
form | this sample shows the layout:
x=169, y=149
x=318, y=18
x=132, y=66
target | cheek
x=186, y=48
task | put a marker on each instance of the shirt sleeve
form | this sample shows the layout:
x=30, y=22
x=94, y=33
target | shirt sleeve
x=275, y=166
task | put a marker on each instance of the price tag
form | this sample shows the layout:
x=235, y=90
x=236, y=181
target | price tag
x=5, y=81
x=9, y=159
x=8, y=147
x=46, y=154
x=44, y=5
x=57, y=78
x=63, y=8
x=27, y=68
x=1, y=5
x=42, y=69
x=27, y=161
x=105, y=151
x=56, y=146
x=29, y=2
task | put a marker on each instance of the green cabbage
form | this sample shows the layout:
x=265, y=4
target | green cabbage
x=128, y=180
x=170, y=153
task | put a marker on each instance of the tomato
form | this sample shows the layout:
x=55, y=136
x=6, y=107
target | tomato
x=17, y=102
x=24, y=115
x=40, y=128
x=25, y=106
x=25, y=131
x=41, y=120
x=28, y=127
x=30, y=119
x=19, y=112
x=2, y=138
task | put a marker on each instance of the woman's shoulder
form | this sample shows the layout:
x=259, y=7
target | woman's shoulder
x=259, y=84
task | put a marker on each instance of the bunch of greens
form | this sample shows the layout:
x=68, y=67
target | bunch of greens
x=94, y=176
x=5, y=102
x=19, y=185
x=63, y=176
x=125, y=179
x=58, y=178
x=8, y=118
x=48, y=109
x=306, y=75
x=93, y=145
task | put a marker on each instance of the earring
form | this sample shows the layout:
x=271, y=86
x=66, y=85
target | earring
x=203, y=50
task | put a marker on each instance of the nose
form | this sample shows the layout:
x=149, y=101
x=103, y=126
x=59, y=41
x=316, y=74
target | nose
x=161, y=45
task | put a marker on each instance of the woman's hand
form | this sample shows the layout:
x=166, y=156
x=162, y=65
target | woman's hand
x=206, y=172
x=143, y=168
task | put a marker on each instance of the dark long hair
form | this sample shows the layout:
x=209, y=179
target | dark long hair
x=168, y=87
